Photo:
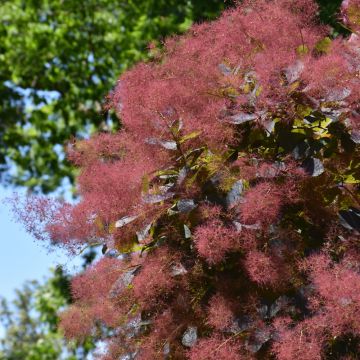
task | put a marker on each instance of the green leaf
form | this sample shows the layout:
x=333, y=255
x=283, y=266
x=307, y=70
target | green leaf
x=323, y=46
x=190, y=136
x=350, y=179
x=145, y=184
x=302, y=50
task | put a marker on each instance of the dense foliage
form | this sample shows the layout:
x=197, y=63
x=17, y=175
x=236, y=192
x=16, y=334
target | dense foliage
x=58, y=60
x=227, y=206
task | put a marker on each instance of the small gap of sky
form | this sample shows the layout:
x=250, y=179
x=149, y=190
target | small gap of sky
x=22, y=258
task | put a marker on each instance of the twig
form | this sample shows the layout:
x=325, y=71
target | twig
x=352, y=194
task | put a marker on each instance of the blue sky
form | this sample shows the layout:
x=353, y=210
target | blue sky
x=21, y=257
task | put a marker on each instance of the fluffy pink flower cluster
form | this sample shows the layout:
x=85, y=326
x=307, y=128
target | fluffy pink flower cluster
x=255, y=55
x=91, y=292
x=213, y=240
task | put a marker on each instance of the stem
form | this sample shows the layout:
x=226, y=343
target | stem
x=221, y=345
x=352, y=194
x=302, y=38
x=227, y=340
x=89, y=246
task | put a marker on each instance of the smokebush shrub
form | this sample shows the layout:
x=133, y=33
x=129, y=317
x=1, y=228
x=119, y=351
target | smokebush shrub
x=227, y=206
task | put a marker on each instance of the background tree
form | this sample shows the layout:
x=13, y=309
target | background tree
x=30, y=321
x=59, y=59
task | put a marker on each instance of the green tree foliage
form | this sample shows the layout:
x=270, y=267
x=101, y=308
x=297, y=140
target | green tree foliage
x=30, y=322
x=58, y=59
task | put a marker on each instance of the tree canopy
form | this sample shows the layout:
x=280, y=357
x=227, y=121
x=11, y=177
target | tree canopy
x=59, y=59
x=30, y=322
